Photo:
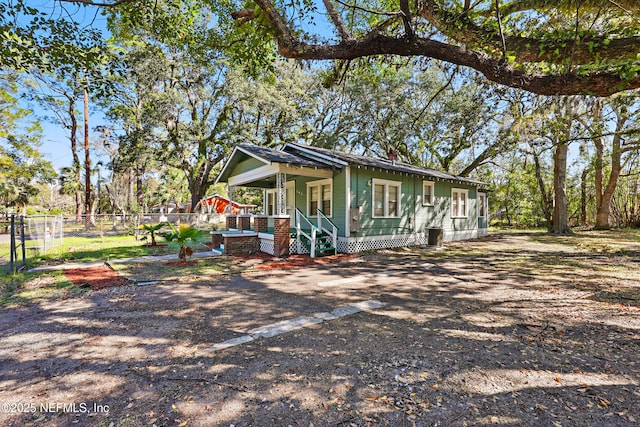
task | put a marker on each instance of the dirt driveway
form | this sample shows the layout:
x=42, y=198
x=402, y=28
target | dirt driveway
x=511, y=330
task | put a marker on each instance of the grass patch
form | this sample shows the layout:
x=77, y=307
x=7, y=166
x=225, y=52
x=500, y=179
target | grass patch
x=28, y=287
x=96, y=249
x=597, y=241
x=24, y=288
x=100, y=248
x=88, y=249
x=202, y=269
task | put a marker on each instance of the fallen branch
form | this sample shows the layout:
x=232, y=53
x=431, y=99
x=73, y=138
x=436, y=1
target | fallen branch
x=150, y=377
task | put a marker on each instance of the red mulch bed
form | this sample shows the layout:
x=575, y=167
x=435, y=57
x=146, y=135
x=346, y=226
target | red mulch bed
x=95, y=277
x=293, y=261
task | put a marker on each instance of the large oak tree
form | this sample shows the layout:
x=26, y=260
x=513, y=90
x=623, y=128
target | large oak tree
x=563, y=47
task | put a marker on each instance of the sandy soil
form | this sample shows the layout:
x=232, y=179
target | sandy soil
x=511, y=330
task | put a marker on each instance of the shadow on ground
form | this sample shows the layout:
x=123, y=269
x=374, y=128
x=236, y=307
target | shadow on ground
x=507, y=331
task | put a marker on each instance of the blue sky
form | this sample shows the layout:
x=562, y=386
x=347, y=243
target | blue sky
x=56, y=145
x=55, y=141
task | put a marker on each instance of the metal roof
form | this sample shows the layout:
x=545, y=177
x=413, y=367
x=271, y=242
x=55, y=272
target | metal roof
x=315, y=157
x=381, y=164
x=266, y=156
x=279, y=156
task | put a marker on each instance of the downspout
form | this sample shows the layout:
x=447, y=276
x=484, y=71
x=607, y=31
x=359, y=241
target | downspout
x=415, y=211
x=347, y=222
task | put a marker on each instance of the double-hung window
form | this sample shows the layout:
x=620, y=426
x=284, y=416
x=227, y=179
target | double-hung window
x=386, y=198
x=319, y=196
x=427, y=193
x=459, y=203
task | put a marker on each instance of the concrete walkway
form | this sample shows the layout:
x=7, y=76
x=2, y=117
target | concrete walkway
x=149, y=258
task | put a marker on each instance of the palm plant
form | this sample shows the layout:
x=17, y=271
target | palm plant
x=183, y=235
x=152, y=229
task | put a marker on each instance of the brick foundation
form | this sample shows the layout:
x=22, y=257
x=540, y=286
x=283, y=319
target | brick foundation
x=260, y=224
x=244, y=222
x=232, y=222
x=281, y=225
x=216, y=239
x=247, y=243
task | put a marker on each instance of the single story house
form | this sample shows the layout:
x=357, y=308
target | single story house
x=351, y=203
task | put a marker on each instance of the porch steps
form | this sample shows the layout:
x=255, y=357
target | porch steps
x=323, y=244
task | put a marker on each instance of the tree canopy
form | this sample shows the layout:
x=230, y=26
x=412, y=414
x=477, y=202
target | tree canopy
x=22, y=166
x=563, y=47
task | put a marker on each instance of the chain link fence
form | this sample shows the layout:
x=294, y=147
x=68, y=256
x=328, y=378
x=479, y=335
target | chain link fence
x=44, y=233
x=118, y=225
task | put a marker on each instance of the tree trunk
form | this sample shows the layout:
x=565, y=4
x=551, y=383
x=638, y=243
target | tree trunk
x=78, y=200
x=87, y=161
x=560, y=211
x=130, y=190
x=139, y=189
x=602, y=212
x=546, y=201
x=583, y=196
x=94, y=207
x=73, y=138
x=605, y=194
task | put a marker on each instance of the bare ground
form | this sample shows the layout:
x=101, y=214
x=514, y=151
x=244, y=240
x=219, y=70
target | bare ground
x=510, y=330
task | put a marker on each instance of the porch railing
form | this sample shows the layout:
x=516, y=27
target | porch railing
x=317, y=235
x=300, y=219
x=323, y=219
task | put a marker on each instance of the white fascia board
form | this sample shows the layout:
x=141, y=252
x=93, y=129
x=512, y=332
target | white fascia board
x=306, y=171
x=254, y=175
x=274, y=168
x=233, y=153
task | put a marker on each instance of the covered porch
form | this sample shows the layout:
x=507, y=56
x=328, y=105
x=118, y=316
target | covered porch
x=283, y=228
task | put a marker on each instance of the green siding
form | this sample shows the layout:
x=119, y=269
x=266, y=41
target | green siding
x=338, y=202
x=362, y=197
x=414, y=216
x=246, y=166
x=482, y=223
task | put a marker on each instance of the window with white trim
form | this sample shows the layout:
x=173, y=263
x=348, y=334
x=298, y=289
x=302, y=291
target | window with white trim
x=482, y=205
x=386, y=198
x=271, y=203
x=319, y=196
x=459, y=203
x=427, y=193
x=290, y=200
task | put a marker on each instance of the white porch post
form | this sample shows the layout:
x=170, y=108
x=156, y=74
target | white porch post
x=281, y=194
x=230, y=190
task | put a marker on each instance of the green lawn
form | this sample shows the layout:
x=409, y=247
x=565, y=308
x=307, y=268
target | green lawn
x=98, y=248
x=24, y=287
x=608, y=256
x=27, y=287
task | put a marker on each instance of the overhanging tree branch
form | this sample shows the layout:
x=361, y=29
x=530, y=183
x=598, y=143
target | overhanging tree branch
x=598, y=82
x=337, y=20
x=364, y=9
x=114, y=3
